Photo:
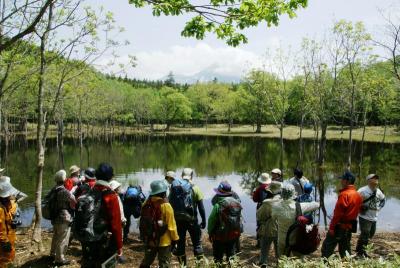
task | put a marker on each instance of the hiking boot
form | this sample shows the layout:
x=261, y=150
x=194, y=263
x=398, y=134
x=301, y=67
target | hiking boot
x=62, y=263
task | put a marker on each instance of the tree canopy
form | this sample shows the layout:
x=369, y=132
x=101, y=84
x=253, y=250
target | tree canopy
x=224, y=18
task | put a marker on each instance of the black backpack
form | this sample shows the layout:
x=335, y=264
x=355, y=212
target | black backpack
x=181, y=200
x=89, y=223
x=49, y=204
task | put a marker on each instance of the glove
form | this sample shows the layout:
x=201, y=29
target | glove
x=6, y=247
x=203, y=225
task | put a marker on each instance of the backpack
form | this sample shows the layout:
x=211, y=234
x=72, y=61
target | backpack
x=305, y=242
x=89, y=223
x=181, y=200
x=133, y=200
x=230, y=220
x=149, y=227
x=49, y=204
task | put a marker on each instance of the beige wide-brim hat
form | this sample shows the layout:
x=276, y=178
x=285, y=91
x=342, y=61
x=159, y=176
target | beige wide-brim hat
x=277, y=171
x=265, y=178
x=114, y=185
x=6, y=188
x=74, y=169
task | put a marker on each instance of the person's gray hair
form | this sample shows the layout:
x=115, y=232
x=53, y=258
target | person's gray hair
x=288, y=191
x=60, y=176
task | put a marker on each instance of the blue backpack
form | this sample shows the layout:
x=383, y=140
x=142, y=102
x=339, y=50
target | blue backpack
x=181, y=200
x=133, y=200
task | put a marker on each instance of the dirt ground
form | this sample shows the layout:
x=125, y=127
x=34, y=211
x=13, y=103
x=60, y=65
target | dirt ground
x=384, y=245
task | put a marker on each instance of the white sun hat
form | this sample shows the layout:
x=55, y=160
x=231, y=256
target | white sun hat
x=265, y=178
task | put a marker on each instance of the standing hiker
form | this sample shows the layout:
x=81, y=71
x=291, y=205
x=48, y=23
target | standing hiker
x=17, y=195
x=344, y=220
x=116, y=187
x=73, y=181
x=276, y=175
x=132, y=203
x=268, y=228
x=158, y=227
x=261, y=193
x=61, y=202
x=224, y=223
x=285, y=212
x=373, y=201
x=298, y=181
x=98, y=221
x=88, y=182
x=8, y=210
x=186, y=198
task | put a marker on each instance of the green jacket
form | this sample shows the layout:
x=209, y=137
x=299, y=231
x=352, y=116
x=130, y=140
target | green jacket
x=213, y=219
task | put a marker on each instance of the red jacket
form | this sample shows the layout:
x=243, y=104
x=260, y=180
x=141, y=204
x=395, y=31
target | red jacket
x=70, y=183
x=111, y=211
x=257, y=193
x=347, y=208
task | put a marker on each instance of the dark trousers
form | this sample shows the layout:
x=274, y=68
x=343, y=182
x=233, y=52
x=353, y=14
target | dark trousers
x=341, y=237
x=367, y=229
x=95, y=253
x=128, y=216
x=164, y=257
x=193, y=228
x=220, y=248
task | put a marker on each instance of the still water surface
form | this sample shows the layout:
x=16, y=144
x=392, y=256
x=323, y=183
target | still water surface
x=141, y=159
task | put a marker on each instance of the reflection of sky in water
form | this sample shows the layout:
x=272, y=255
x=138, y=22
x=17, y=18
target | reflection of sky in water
x=388, y=220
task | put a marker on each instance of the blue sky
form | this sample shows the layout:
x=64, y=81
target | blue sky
x=159, y=47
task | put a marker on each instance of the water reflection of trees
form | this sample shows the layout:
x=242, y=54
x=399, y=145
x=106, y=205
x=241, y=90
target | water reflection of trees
x=210, y=157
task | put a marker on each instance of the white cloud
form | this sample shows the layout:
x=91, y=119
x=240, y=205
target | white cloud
x=189, y=60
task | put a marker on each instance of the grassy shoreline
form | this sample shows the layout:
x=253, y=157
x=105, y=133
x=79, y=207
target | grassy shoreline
x=372, y=134
x=386, y=246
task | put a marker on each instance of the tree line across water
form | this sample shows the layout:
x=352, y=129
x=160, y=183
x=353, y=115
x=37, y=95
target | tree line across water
x=48, y=50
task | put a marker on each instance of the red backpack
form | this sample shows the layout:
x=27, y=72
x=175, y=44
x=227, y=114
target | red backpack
x=149, y=227
x=230, y=220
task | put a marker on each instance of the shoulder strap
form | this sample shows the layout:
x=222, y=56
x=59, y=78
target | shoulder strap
x=370, y=197
x=301, y=185
x=298, y=210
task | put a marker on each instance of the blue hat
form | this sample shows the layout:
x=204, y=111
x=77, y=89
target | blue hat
x=308, y=187
x=224, y=189
x=348, y=176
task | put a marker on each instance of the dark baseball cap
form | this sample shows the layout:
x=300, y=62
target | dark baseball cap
x=348, y=176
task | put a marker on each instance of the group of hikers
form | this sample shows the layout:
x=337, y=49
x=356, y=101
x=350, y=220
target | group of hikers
x=97, y=211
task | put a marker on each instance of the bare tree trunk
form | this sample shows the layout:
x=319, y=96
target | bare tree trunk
x=258, y=129
x=301, y=140
x=41, y=139
x=322, y=144
x=281, y=139
x=384, y=132
x=321, y=190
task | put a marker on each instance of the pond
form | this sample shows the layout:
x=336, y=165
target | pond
x=240, y=160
